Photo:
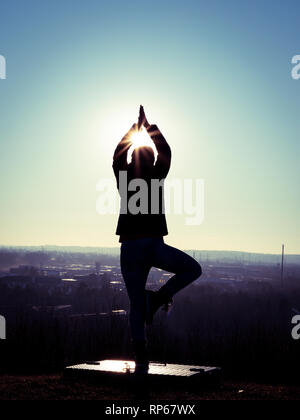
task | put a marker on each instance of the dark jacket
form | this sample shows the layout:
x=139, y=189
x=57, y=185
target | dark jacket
x=140, y=225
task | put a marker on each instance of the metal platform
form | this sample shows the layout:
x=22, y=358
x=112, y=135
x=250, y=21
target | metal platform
x=159, y=373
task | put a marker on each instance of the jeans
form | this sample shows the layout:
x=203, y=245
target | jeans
x=137, y=258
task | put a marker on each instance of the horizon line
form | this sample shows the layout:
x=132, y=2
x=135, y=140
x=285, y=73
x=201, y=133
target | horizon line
x=116, y=247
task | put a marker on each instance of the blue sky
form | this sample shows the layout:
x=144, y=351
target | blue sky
x=214, y=76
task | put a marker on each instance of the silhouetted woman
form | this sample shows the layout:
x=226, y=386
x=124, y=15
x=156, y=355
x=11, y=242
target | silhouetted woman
x=141, y=227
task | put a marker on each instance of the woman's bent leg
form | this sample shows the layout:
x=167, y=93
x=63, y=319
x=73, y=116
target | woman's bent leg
x=185, y=268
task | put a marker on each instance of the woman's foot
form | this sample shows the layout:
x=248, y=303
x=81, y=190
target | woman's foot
x=154, y=301
x=141, y=357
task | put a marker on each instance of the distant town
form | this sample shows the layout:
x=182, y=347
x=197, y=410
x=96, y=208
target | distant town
x=63, y=305
x=65, y=268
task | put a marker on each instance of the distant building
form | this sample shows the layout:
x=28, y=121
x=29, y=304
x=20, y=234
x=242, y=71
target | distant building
x=91, y=280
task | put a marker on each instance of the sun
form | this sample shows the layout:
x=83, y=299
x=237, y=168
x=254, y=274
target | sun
x=139, y=139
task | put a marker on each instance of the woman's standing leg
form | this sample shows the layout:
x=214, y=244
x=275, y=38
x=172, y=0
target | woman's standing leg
x=135, y=270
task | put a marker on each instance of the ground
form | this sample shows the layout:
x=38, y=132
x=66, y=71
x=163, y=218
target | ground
x=54, y=387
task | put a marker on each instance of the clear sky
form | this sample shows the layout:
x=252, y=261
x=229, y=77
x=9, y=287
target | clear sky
x=215, y=76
